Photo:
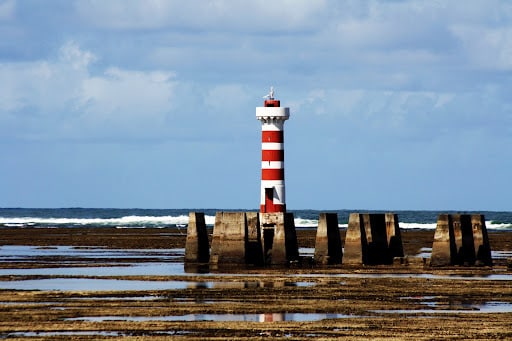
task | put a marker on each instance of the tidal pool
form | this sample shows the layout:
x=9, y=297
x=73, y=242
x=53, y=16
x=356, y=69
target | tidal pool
x=27, y=253
x=62, y=333
x=454, y=307
x=97, y=284
x=269, y=317
x=71, y=268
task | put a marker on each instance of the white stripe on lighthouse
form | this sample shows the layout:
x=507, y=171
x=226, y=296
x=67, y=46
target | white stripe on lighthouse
x=272, y=146
x=272, y=164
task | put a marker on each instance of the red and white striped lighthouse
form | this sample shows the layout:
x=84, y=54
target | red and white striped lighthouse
x=272, y=117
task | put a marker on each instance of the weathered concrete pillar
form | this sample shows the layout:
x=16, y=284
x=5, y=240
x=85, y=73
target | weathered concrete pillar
x=377, y=239
x=443, y=247
x=457, y=238
x=481, y=239
x=466, y=254
x=372, y=239
x=279, y=238
x=197, y=249
x=328, y=248
x=254, y=252
x=355, y=240
x=466, y=242
x=395, y=245
x=229, y=238
x=292, y=246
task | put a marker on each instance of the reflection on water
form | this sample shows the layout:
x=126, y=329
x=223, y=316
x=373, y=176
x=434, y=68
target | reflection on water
x=426, y=252
x=267, y=317
x=260, y=284
x=119, y=298
x=88, y=333
x=128, y=269
x=454, y=307
x=70, y=264
x=501, y=254
x=62, y=333
x=27, y=253
x=98, y=284
x=89, y=284
x=76, y=261
x=306, y=251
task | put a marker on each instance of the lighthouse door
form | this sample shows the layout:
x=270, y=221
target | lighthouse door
x=269, y=199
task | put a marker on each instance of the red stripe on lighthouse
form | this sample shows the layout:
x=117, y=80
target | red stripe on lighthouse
x=272, y=155
x=272, y=174
x=272, y=136
x=271, y=207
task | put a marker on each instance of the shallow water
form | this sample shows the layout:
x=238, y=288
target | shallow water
x=27, y=253
x=456, y=307
x=270, y=317
x=128, y=269
x=91, y=333
x=95, y=284
x=168, y=262
x=488, y=307
x=62, y=333
x=426, y=252
x=501, y=254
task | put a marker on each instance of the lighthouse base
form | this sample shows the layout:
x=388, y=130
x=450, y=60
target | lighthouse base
x=279, y=238
x=251, y=238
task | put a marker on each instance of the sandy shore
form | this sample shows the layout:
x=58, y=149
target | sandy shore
x=384, y=302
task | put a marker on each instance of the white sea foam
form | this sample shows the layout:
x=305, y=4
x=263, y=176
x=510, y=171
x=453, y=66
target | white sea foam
x=122, y=221
x=208, y=219
x=299, y=222
x=425, y=226
x=165, y=221
x=498, y=226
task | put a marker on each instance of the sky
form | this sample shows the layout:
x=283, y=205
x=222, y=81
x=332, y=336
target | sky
x=395, y=105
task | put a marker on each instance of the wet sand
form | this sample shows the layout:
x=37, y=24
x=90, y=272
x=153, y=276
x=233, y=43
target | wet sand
x=400, y=302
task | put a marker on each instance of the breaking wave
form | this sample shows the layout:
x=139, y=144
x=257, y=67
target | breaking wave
x=127, y=221
x=137, y=218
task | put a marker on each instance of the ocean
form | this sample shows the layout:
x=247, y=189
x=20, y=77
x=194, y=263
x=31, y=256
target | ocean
x=165, y=218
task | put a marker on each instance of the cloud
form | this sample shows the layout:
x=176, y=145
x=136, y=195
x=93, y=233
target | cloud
x=7, y=9
x=413, y=116
x=486, y=48
x=62, y=98
x=71, y=53
x=220, y=97
x=201, y=15
x=131, y=100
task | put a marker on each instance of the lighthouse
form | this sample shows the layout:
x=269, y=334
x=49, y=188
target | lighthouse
x=264, y=238
x=272, y=117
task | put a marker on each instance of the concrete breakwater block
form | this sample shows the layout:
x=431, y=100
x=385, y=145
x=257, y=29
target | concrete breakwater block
x=394, y=238
x=284, y=248
x=197, y=249
x=328, y=247
x=254, y=249
x=253, y=238
x=229, y=240
x=461, y=239
x=372, y=239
